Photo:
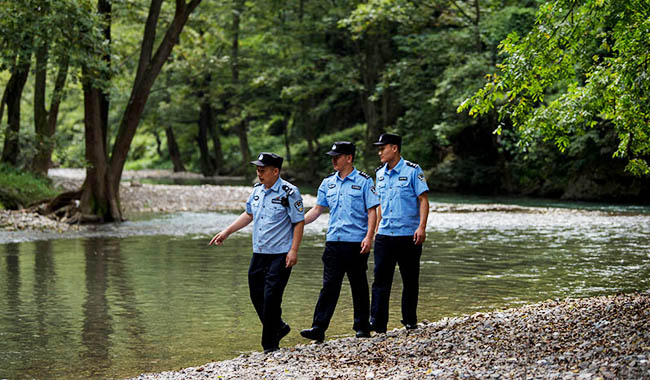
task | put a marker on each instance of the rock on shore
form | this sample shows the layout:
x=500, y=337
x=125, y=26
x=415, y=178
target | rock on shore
x=593, y=338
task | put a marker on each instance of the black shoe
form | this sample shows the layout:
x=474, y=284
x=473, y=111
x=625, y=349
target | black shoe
x=284, y=330
x=363, y=334
x=313, y=334
x=269, y=350
x=378, y=330
x=410, y=326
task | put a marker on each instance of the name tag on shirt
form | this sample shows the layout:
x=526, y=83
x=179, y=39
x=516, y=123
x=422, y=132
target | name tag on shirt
x=403, y=178
x=356, y=187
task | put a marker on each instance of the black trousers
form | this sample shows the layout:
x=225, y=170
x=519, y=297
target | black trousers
x=267, y=278
x=342, y=258
x=389, y=252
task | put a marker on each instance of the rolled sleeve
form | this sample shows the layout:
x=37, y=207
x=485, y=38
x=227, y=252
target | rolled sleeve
x=321, y=199
x=370, y=194
x=296, y=207
x=419, y=182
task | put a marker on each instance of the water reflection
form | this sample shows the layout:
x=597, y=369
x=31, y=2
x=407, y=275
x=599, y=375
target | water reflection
x=97, y=324
x=118, y=305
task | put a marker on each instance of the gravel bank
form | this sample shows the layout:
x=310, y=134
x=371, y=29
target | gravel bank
x=137, y=197
x=594, y=338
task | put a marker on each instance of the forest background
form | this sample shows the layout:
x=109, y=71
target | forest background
x=523, y=97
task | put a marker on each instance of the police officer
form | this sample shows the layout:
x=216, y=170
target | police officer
x=350, y=196
x=276, y=210
x=402, y=219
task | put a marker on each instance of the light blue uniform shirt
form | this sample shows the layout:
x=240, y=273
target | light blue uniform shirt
x=348, y=200
x=272, y=221
x=398, y=191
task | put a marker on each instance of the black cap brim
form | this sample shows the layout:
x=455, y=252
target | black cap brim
x=334, y=154
x=258, y=163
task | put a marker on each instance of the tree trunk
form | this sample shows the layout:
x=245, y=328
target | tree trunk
x=205, y=120
x=215, y=132
x=44, y=121
x=14, y=93
x=99, y=195
x=374, y=52
x=105, y=8
x=241, y=128
x=174, y=152
x=287, y=145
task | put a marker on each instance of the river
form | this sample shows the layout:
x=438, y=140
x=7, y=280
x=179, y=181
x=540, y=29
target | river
x=150, y=295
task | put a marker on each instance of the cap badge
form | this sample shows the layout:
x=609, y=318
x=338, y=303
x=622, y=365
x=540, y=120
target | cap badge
x=261, y=157
x=334, y=147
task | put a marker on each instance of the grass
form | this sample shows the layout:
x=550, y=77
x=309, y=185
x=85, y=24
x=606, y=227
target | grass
x=20, y=188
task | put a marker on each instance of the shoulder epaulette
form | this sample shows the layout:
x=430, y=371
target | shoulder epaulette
x=288, y=189
x=411, y=164
x=329, y=175
x=364, y=174
x=257, y=184
x=379, y=167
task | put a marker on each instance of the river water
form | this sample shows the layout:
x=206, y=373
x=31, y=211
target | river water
x=149, y=295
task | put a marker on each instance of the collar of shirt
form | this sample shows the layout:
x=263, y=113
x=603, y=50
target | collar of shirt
x=351, y=176
x=275, y=187
x=398, y=167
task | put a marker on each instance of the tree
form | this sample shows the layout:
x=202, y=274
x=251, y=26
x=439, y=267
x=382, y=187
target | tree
x=100, y=192
x=16, y=45
x=585, y=63
x=56, y=28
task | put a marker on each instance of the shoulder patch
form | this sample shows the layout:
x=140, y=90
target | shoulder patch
x=257, y=184
x=364, y=175
x=379, y=167
x=329, y=175
x=411, y=164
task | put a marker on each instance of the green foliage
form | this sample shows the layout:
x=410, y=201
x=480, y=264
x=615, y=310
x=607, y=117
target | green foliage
x=308, y=69
x=19, y=189
x=585, y=63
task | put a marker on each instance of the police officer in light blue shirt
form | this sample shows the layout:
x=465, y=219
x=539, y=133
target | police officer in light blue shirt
x=276, y=210
x=402, y=216
x=352, y=201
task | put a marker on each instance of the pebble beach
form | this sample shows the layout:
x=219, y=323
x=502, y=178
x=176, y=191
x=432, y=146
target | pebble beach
x=605, y=337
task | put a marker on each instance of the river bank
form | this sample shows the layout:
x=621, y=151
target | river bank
x=138, y=197
x=604, y=337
